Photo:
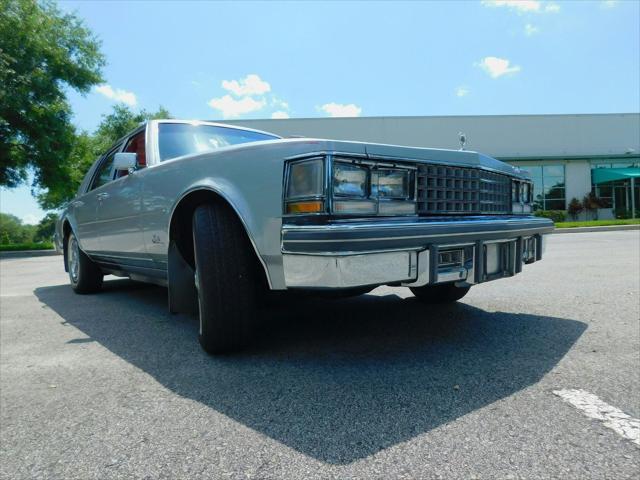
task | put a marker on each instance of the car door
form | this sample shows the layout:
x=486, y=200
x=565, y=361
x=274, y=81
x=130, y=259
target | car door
x=85, y=206
x=118, y=213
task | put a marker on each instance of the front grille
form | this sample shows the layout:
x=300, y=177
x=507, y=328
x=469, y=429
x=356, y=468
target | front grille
x=462, y=190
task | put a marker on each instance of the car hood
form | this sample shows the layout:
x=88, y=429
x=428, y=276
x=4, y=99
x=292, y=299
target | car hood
x=417, y=154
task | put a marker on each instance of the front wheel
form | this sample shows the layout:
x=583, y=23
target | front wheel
x=443, y=293
x=228, y=279
x=85, y=276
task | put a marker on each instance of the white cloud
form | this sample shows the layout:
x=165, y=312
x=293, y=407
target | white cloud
x=497, y=67
x=230, y=107
x=530, y=30
x=523, y=6
x=279, y=114
x=277, y=102
x=252, y=84
x=341, y=110
x=118, y=95
x=462, y=92
x=608, y=3
x=519, y=5
x=31, y=219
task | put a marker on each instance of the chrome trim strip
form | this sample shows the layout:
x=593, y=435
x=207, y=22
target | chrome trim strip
x=412, y=237
x=383, y=224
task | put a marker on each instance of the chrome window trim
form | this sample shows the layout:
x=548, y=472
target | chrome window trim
x=115, y=148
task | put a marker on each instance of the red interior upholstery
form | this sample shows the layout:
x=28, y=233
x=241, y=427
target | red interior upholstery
x=136, y=145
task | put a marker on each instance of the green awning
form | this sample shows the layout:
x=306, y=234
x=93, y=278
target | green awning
x=602, y=175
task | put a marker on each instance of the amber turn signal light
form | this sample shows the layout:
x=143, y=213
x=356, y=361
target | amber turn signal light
x=313, y=206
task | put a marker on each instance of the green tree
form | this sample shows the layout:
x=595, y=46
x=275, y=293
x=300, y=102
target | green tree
x=46, y=228
x=43, y=53
x=88, y=147
x=13, y=231
x=120, y=122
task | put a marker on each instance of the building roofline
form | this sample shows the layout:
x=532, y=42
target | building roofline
x=611, y=156
x=524, y=115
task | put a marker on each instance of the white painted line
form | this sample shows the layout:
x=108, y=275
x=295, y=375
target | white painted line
x=611, y=417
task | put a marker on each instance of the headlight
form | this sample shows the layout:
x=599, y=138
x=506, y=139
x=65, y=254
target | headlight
x=524, y=192
x=356, y=187
x=350, y=180
x=515, y=194
x=305, y=179
x=390, y=184
x=521, y=196
x=305, y=187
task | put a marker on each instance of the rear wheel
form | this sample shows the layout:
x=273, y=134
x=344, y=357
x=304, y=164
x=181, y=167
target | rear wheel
x=228, y=279
x=85, y=276
x=443, y=293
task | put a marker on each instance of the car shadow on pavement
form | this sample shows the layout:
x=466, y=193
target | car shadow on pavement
x=335, y=380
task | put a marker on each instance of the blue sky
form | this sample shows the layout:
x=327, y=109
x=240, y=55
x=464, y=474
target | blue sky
x=264, y=59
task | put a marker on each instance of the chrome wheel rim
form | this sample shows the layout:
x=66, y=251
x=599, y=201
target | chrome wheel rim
x=74, y=259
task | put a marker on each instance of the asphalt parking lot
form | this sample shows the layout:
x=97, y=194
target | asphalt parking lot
x=113, y=386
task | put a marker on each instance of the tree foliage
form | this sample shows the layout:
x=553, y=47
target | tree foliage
x=43, y=53
x=88, y=147
x=46, y=228
x=13, y=231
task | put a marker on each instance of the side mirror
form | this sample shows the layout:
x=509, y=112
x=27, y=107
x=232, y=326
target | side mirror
x=125, y=161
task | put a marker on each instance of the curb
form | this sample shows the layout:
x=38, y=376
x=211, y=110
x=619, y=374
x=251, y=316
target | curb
x=607, y=228
x=28, y=253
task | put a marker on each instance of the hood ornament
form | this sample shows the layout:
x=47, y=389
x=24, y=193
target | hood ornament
x=463, y=139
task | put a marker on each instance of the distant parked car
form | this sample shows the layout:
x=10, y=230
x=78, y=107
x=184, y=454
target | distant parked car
x=221, y=215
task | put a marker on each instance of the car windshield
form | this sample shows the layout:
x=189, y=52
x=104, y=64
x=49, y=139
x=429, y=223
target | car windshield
x=177, y=139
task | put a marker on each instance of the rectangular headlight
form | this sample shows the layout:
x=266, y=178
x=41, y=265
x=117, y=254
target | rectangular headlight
x=390, y=184
x=306, y=179
x=350, y=180
x=524, y=192
x=515, y=191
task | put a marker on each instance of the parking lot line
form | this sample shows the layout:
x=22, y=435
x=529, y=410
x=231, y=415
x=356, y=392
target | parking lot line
x=611, y=417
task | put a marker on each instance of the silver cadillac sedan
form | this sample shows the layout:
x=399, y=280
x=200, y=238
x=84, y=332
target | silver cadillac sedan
x=223, y=215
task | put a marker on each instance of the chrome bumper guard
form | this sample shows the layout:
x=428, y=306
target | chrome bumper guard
x=486, y=254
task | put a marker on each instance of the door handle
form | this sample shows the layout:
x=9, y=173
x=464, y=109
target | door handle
x=103, y=196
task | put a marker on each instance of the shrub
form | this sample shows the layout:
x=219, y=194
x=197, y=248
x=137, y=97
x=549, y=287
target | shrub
x=591, y=203
x=574, y=208
x=622, y=213
x=555, y=215
x=26, y=246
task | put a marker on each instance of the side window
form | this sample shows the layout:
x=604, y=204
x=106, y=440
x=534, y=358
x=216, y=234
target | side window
x=104, y=173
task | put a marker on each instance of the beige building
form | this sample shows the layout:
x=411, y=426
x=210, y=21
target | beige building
x=562, y=152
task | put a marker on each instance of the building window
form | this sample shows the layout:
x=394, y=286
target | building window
x=615, y=194
x=548, y=189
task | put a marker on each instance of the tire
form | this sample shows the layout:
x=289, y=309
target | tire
x=229, y=280
x=85, y=276
x=444, y=293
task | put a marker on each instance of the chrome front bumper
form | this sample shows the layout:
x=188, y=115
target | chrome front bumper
x=413, y=253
